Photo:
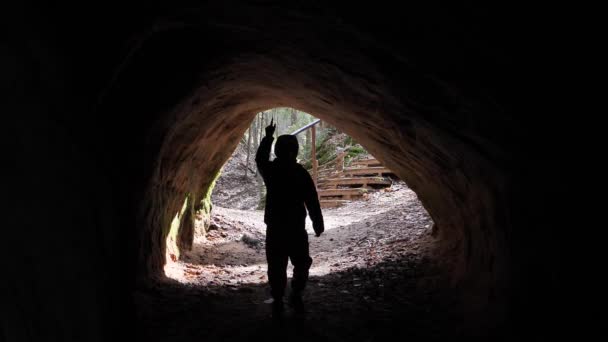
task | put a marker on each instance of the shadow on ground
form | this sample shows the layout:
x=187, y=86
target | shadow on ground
x=404, y=297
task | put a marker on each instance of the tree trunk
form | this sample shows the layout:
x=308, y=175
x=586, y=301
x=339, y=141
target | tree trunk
x=260, y=128
x=308, y=139
x=313, y=154
x=248, y=151
x=258, y=133
x=294, y=116
x=277, y=119
x=253, y=131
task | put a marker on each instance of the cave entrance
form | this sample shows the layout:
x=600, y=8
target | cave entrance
x=376, y=229
x=404, y=120
x=373, y=267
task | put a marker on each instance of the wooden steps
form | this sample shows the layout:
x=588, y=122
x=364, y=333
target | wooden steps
x=338, y=185
x=371, y=162
x=366, y=171
x=333, y=183
x=327, y=173
x=345, y=194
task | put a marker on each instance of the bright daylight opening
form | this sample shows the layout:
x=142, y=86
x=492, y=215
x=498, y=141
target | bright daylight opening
x=371, y=217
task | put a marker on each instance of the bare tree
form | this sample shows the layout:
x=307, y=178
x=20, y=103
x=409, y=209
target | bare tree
x=307, y=145
x=248, y=150
x=260, y=130
x=294, y=116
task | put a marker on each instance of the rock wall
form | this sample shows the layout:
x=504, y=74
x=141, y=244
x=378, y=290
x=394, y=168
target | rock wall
x=118, y=123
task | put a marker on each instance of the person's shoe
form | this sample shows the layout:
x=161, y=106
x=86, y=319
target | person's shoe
x=295, y=301
x=277, y=308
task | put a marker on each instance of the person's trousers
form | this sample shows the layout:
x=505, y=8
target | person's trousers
x=279, y=248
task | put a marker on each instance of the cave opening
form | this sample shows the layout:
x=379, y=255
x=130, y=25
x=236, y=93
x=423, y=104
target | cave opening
x=130, y=123
x=346, y=175
x=375, y=261
x=201, y=131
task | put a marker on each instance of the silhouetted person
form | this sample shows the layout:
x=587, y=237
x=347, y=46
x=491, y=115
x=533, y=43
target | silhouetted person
x=290, y=190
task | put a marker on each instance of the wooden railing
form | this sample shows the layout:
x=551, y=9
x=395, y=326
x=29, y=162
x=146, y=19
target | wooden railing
x=313, y=150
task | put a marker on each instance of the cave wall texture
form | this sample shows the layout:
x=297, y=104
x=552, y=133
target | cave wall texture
x=112, y=115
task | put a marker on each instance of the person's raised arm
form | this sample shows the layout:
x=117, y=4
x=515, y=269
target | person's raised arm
x=262, y=157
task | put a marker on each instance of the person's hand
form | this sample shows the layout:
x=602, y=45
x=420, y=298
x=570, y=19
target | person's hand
x=318, y=228
x=270, y=128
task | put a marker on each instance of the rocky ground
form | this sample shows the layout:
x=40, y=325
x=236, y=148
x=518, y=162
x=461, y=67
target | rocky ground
x=373, y=276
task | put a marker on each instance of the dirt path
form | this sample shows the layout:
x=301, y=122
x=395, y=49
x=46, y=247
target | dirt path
x=372, y=273
x=359, y=234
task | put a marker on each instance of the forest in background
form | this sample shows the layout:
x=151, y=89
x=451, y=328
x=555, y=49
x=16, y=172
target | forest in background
x=239, y=186
x=329, y=141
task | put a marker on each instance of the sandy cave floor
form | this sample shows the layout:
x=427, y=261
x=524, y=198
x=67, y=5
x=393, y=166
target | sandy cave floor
x=373, y=276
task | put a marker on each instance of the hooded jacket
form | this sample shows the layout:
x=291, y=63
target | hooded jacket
x=290, y=191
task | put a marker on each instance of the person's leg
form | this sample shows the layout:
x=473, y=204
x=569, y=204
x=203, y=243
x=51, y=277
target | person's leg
x=276, y=257
x=301, y=261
